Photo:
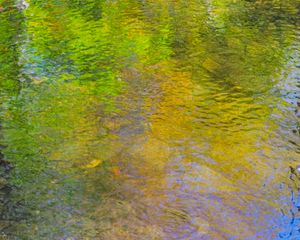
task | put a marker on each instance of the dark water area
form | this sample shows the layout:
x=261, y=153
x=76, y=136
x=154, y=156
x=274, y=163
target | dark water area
x=149, y=119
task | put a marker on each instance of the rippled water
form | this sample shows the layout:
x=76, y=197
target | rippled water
x=150, y=119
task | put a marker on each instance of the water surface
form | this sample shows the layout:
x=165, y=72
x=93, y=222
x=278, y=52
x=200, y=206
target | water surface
x=150, y=119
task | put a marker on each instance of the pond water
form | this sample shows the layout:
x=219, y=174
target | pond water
x=150, y=119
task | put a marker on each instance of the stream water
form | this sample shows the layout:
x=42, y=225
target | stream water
x=150, y=119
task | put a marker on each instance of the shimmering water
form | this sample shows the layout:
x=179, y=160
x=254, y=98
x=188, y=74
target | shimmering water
x=150, y=119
